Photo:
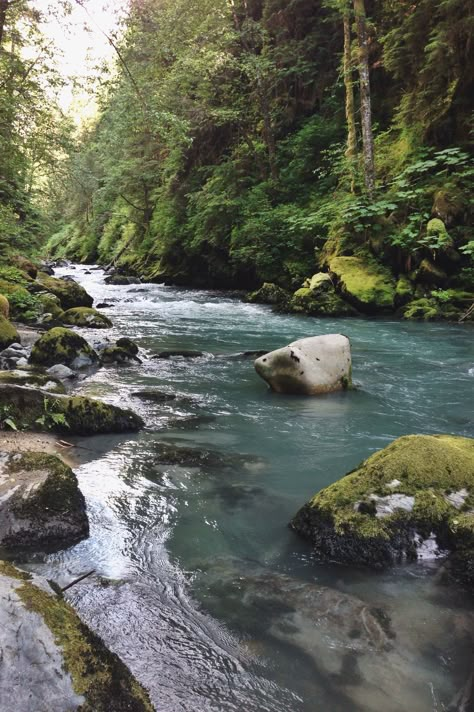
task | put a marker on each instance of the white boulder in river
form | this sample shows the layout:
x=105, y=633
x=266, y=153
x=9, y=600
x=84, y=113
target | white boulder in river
x=318, y=364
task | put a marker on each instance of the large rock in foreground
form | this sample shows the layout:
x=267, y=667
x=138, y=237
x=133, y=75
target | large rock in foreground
x=40, y=502
x=413, y=499
x=60, y=345
x=318, y=364
x=51, y=660
x=38, y=410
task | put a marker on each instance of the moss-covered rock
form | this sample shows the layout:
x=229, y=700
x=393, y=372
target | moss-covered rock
x=415, y=494
x=4, y=306
x=116, y=355
x=269, y=293
x=24, y=306
x=25, y=265
x=53, y=656
x=61, y=345
x=441, y=305
x=321, y=282
x=431, y=274
x=8, y=333
x=69, y=293
x=319, y=303
x=32, y=379
x=129, y=345
x=86, y=317
x=41, y=411
x=403, y=291
x=368, y=285
x=40, y=502
x=51, y=305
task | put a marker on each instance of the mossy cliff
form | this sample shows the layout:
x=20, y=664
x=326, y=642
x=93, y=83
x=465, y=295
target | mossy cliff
x=364, y=283
x=74, y=666
x=418, y=489
x=32, y=409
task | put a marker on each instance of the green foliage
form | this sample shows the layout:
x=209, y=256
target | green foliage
x=51, y=419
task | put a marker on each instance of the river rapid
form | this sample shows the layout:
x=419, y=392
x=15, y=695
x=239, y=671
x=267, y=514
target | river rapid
x=200, y=586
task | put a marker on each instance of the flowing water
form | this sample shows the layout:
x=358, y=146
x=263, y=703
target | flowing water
x=200, y=586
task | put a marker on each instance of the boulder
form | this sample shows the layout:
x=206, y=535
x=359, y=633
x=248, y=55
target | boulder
x=8, y=333
x=4, y=306
x=86, y=317
x=69, y=293
x=367, y=284
x=318, y=364
x=122, y=352
x=127, y=344
x=122, y=279
x=320, y=302
x=25, y=265
x=32, y=379
x=62, y=346
x=40, y=502
x=411, y=500
x=51, y=660
x=181, y=353
x=320, y=282
x=431, y=274
x=62, y=373
x=51, y=305
x=42, y=411
x=268, y=293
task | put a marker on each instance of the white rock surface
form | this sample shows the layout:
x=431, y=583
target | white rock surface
x=318, y=364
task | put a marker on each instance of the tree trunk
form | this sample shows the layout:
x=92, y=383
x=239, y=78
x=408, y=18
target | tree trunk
x=3, y=16
x=365, y=99
x=351, y=151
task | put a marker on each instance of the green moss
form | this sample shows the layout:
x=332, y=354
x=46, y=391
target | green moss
x=436, y=227
x=70, y=294
x=86, y=317
x=50, y=305
x=60, y=345
x=320, y=282
x=7, y=569
x=268, y=293
x=364, y=282
x=4, y=306
x=97, y=674
x=319, y=303
x=424, y=467
x=8, y=333
x=421, y=310
x=403, y=291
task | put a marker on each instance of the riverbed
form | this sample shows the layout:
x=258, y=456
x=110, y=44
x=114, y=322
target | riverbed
x=199, y=585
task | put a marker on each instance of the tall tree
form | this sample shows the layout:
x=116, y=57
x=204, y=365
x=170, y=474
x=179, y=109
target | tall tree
x=365, y=96
x=351, y=151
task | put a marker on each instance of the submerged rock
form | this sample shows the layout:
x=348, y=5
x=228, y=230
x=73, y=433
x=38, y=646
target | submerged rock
x=40, y=502
x=63, y=346
x=402, y=503
x=154, y=396
x=51, y=660
x=69, y=293
x=86, y=318
x=31, y=378
x=170, y=454
x=37, y=410
x=182, y=353
x=318, y=364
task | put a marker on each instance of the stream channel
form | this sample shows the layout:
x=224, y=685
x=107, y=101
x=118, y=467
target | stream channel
x=200, y=586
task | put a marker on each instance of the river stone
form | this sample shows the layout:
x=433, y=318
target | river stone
x=32, y=378
x=51, y=660
x=400, y=504
x=41, y=411
x=61, y=372
x=87, y=318
x=40, y=502
x=63, y=346
x=318, y=364
x=69, y=293
x=183, y=353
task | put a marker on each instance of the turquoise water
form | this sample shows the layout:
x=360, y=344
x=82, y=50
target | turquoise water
x=201, y=587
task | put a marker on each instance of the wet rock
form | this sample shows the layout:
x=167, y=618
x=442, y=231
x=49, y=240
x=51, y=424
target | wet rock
x=189, y=422
x=86, y=318
x=62, y=373
x=170, y=454
x=31, y=378
x=128, y=345
x=69, y=293
x=62, y=346
x=248, y=354
x=398, y=505
x=40, y=502
x=318, y=364
x=51, y=660
x=41, y=411
x=117, y=355
x=104, y=305
x=181, y=353
x=154, y=396
x=122, y=279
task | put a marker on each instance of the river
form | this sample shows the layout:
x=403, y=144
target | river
x=200, y=586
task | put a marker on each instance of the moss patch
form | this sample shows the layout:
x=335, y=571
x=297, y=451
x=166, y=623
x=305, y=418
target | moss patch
x=4, y=306
x=364, y=282
x=8, y=333
x=319, y=303
x=30, y=378
x=97, y=674
x=61, y=345
x=341, y=519
x=70, y=294
x=269, y=293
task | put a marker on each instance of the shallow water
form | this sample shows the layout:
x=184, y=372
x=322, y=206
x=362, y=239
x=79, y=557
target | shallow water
x=198, y=578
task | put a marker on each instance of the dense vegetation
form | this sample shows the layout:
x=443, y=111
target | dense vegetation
x=250, y=141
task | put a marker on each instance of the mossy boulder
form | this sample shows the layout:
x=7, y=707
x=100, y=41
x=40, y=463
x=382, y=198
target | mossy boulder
x=86, y=317
x=54, y=661
x=320, y=282
x=8, y=333
x=32, y=379
x=129, y=345
x=403, y=291
x=25, y=265
x=42, y=411
x=319, y=302
x=69, y=293
x=269, y=293
x=51, y=305
x=24, y=305
x=365, y=283
x=40, y=502
x=4, y=306
x=412, y=499
x=431, y=274
x=61, y=345
x=441, y=305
